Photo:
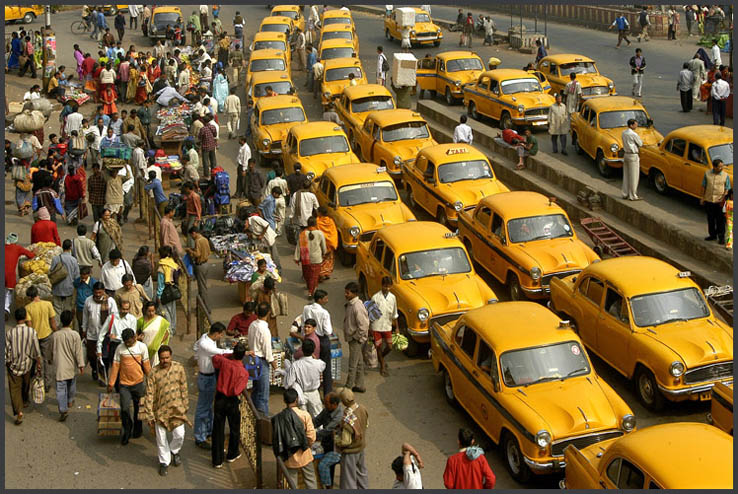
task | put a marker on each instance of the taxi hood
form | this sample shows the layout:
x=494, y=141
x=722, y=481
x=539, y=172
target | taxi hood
x=370, y=217
x=532, y=100
x=319, y=163
x=590, y=80
x=699, y=342
x=451, y=293
x=649, y=135
x=465, y=76
x=470, y=192
x=408, y=149
x=559, y=254
x=277, y=132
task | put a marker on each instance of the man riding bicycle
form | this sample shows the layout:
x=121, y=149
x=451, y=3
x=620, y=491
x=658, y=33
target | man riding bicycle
x=87, y=16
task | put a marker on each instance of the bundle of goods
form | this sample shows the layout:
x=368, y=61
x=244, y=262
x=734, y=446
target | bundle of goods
x=404, y=69
x=221, y=244
x=242, y=269
x=22, y=149
x=405, y=17
x=116, y=150
x=29, y=121
x=176, y=201
x=168, y=164
x=114, y=163
x=45, y=251
x=219, y=225
x=39, y=104
x=108, y=414
x=40, y=281
x=173, y=113
x=245, y=209
x=277, y=378
x=175, y=131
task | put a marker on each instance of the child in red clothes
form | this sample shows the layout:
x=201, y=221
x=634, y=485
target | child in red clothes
x=468, y=469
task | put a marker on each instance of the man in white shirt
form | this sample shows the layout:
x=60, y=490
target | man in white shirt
x=462, y=132
x=300, y=49
x=407, y=469
x=167, y=94
x=113, y=327
x=134, y=10
x=205, y=348
x=383, y=327
x=717, y=59
x=233, y=112
x=573, y=94
x=242, y=159
x=303, y=204
x=324, y=331
x=97, y=308
x=212, y=123
x=112, y=272
x=260, y=345
x=304, y=376
x=381, y=59
x=259, y=229
x=631, y=161
x=720, y=91
x=93, y=146
x=33, y=93
x=74, y=122
x=127, y=190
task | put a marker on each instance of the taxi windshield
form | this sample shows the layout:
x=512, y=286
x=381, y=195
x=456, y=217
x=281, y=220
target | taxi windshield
x=269, y=45
x=661, y=308
x=544, y=363
x=722, y=152
x=337, y=35
x=405, y=131
x=285, y=13
x=615, y=119
x=463, y=64
x=422, y=18
x=577, y=68
x=544, y=227
x=342, y=73
x=275, y=28
x=463, y=170
x=372, y=103
x=162, y=19
x=324, y=145
x=282, y=115
x=434, y=262
x=264, y=64
x=282, y=87
x=331, y=53
x=528, y=85
x=353, y=195
x=336, y=20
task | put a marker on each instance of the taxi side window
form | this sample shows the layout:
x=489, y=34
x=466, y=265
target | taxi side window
x=676, y=146
x=389, y=260
x=368, y=127
x=652, y=485
x=630, y=476
x=593, y=118
x=441, y=66
x=486, y=361
x=256, y=115
x=614, y=305
x=483, y=215
x=497, y=226
x=466, y=338
x=585, y=113
x=427, y=63
x=430, y=170
x=545, y=66
x=494, y=86
x=697, y=154
x=377, y=130
x=613, y=470
x=378, y=249
x=594, y=290
x=331, y=191
x=420, y=163
x=554, y=69
x=484, y=83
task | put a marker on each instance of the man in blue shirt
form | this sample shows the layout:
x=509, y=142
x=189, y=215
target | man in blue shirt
x=268, y=207
x=83, y=286
x=159, y=197
x=109, y=139
x=311, y=59
x=622, y=24
x=541, y=51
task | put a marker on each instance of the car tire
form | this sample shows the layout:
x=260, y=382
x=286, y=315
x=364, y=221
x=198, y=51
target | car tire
x=602, y=166
x=514, y=459
x=442, y=218
x=658, y=180
x=448, y=389
x=575, y=142
x=436, y=44
x=29, y=17
x=647, y=390
x=363, y=288
x=347, y=259
x=413, y=347
x=516, y=291
x=506, y=121
x=449, y=97
x=473, y=111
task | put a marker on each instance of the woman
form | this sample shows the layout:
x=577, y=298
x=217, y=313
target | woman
x=309, y=252
x=220, y=89
x=143, y=88
x=79, y=57
x=108, y=99
x=257, y=279
x=328, y=227
x=133, y=79
x=47, y=198
x=153, y=331
x=166, y=275
x=38, y=49
x=729, y=219
x=44, y=230
x=153, y=72
x=23, y=193
x=264, y=294
x=224, y=45
x=106, y=235
x=143, y=267
x=16, y=50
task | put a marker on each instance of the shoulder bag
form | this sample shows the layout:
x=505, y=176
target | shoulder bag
x=58, y=274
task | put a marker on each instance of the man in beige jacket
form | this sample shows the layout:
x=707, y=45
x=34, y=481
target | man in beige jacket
x=233, y=110
x=558, y=124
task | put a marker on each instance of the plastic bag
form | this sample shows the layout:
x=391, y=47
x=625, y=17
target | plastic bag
x=23, y=150
x=38, y=391
x=369, y=352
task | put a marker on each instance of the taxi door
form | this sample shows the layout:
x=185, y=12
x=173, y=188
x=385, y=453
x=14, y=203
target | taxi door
x=614, y=334
x=673, y=157
x=463, y=348
x=426, y=177
x=486, y=373
x=426, y=73
x=373, y=265
x=289, y=153
x=542, y=79
x=588, y=298
x=366, y=140
x=498, y=241
x=694, y=168
x=480, y=237
x=588, y=135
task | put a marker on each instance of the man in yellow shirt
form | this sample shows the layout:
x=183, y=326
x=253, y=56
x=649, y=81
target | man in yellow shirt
x=41, y=315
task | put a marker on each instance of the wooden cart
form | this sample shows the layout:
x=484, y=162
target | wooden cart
x=721, y=298
x=606, y=241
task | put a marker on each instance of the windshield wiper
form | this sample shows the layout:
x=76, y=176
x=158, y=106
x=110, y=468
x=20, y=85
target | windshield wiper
x=540, y=380
x=575, y=371
x=674, y=319
x=539, y=237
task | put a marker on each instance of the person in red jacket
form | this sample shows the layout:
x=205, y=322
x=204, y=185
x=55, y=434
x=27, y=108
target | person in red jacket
x=468, y=469
x=74, y=190
x=13, y=252
x=44, y=230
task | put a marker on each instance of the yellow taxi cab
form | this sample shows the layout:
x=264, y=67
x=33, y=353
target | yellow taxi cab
x=652, y=324
x=356, y=102
x=597, y=130
x=680, y=161
x=337, y=16
x=524, y=239
x=339, y=31
x=271, y=120
x=513, y=97
x=681, y=455
x=317, y=146
x=267, y=60
x=432, y=276
x=721, y=407
x=361, y=198
x=336, y=77
x=114, y=9
x=391, y=138
x=448, y=178
x=532, y=389
x=446, y=73
x=278, y=24
x=291, y=11
x=558, y=69
x=161, y=17
x=26, y=13
x=270, y=40
x=278, y=80
x=337, y=48
x=424, y=32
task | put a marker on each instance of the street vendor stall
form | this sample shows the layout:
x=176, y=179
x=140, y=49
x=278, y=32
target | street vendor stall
x=169, y=136
x=242, y=268
x=75, y=92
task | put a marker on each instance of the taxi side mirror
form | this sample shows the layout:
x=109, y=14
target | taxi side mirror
x=649, y=122
x=503, y=240
x=332, y=205
x=430, y=179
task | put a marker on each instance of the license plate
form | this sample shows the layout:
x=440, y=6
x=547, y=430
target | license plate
x=706, y=396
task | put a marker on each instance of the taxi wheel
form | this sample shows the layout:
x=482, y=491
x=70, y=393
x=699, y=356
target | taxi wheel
x=448, y=389
x=29, y=17
x=514, y=459
x=575, y=142
x=658, y=180
x=473, y=110
x=412, y=346
x=450, y=100
x=347, y=259
x=648, y=390
x=506, y=121
x=602, y=166
x=516, y=292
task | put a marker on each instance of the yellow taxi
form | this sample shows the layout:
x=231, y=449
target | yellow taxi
x=682, y=455
x=339, y=31
x=597, y=130
x=161, y=17
x=424, y=32
x=291, y=11
x=721, y=407
x=524, y=239
x=391, y=138
x=114, y=9
x=337, y=16
x=681, y=159
x=278, y=24
x=271, y=120
x=533, y=390
x=317, y=146
x=432, y=276
x=652, y=324
x=267, y=60
x=336, y=77
x=558, y=69
x=446, y=73
x=278, y=80
x=337, y=48
x=356, y=102
x=448, y=178
x=26, y=13
x=513, y=97
x=271, y=41
x=361, y=198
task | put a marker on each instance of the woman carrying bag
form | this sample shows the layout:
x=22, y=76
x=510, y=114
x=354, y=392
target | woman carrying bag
x=107, y=235
x=153, y=331
x=309, y=252
x=167, y=290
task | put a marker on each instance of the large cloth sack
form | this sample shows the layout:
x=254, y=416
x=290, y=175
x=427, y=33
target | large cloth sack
x=40, y=281
x=29, y=121
x=40, y=104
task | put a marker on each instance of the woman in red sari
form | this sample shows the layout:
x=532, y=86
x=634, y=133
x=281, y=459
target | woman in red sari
x=96, y=79
x=153, y=72
x=108, y=99
x=143, y=86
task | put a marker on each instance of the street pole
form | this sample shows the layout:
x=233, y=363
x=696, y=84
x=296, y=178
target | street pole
x=48, y=46
x=47, y=17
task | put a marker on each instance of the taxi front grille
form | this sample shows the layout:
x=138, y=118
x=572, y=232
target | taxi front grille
x=595, y=90
x=536, y=112
x=546, y=280
x=557, y=448
x=426, y=35
x=366, y=236
x=276, y=147
x=709, y=373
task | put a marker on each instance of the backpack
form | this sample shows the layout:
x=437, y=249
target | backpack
x=222, y=189
x=385, y=64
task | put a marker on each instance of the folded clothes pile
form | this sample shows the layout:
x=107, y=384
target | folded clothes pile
x=238, y=242
x=242, y=270
x=168, y=163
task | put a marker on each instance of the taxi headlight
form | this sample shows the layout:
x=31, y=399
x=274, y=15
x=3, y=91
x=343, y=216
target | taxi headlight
x=412, y=32
x=354, y=231
x=543, y=439
x=521, y=108
x=310, y=176
x=535, y=273
x=423, y=314
x=458, y=83
x=676, y=369
x=265, y=142
x=610, y=85
x=327, y=94
x=458, y=206
x=614, y=147
x=628, y=422
x=397, y=161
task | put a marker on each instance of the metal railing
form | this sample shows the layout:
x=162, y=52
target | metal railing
x=251, y=436
x=283, y=479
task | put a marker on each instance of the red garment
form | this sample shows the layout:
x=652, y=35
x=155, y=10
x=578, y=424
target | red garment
x=232, y=377
x=241, y=323
x=74, y=187
x=153, y=72
x=108, y=99
x=463, y=473
x=87, y=65
x=311, y=273
x=511, y=137
x=45, y=231
x=12, y=253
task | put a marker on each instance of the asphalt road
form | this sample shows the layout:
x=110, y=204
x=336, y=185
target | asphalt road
x=408, y=406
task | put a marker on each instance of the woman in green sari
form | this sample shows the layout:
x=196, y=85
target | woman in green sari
x=153, y=331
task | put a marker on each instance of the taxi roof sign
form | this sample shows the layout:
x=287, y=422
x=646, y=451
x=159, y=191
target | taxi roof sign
x=684, y=274
x=381, y=169
x=459, y=150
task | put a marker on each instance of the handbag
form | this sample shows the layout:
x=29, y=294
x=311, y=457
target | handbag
x=19, y=172
x=82, y=213
x=106, y=340
x=171, y=293
x=38, y=390
x=369, y=352
x=58, y=274
x=253, y=367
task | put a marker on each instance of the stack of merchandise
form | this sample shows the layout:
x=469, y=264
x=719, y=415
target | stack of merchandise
x=238, y=242
x=168, y=164
x=172, y=126
x=240, y=271
x=75, y=92
x=37, y=279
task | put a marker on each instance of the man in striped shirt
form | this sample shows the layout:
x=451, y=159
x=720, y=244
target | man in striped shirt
x=21, y=350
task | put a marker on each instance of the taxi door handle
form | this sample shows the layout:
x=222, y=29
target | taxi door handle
x=687, y=164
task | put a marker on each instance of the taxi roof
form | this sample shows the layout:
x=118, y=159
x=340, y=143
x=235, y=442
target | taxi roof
x=356, y=173
x=711, y=135
x=269, y=36
x=336, y=27
x=316, y=129
x=521, y=204
x=504, y=74
x=560, y=58
x=265, y=76
x=604, y=103
x=364, y=90
x=454, y=54
x=453, y=152
x=279, y=101
x=267, y=53
x=415, y=236
x=336, y=13
x=276, y=19
x=398, y=115
x=638, y=275
x=166, y=9
x=663, y=451
x=336, y=43
x=334, y=63
x=293, y=8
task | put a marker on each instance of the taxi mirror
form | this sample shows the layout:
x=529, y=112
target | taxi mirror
x=503, y=240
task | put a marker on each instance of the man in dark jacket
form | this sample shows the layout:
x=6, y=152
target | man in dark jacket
x=295, y=180
x=120, y=25
x=288, y=432
x=254, y=184
x=637, y=68
x=232, y=380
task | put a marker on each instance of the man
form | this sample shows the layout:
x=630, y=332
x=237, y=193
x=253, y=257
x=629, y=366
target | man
x=131, y=362
x=130, y=138
x=715, y=187
x=467, y=31
x=243, y=159
x=324, y=331
x=193, y=208
x=294, y=181
x=719, y=92
x=312, y=57
x=254, y=183
x=644, y=22
x=127, y=186
x=96, y=311
x=167, y=94
x=717, y=59
x=120, y=25
x=304, y=377
x=296, y=457
x=637, y=66
x=114, y=195
x=318, y=69
x=573, y=94
x=684, y=86
x=113, y=328
x=200, y=255
x=260, y=345
x=74, y=122
x=138, y=127
x=689, y=17
x=41, y=317
x=21, y=353
x=83, y=289
x=208, y=143
x=489, y=31
x=352, y=79
x=300, y=44
x=260, y=229
x=160, y=198
x=233, y=112
x=112, y=272
x=383, y=327
x=303, y=205
x=382, y=66
x=622, y=24
x=231, y=382
x=558, y=124
x=697, y=66
x=350, y=442
x=672, y=18
x=541, y=51
x=132, y=293
x=529, y=147
x=632, y=144
x=190, y=174
x=134, y=11
x=169, y=235
x=463, y=132
x=356, y=332
x=93, y=136
x=407, y=469
x=205, y=349
x=240, y=323
x=63, y=292
x=268, y=207
x=110, y=139
x=96, y=186
x=468, y=469
x=330, y=115
x=116, y=125
x=68, y=358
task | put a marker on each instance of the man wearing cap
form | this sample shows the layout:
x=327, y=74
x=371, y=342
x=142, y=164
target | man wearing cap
x=13, y=252
x=350, y=441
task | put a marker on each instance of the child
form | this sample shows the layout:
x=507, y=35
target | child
x=728, y=210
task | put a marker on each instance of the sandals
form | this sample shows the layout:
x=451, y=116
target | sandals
x=520, y=167
x=19, y=419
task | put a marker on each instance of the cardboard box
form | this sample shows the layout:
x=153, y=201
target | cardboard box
x=403, y=69
x=405, y=17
